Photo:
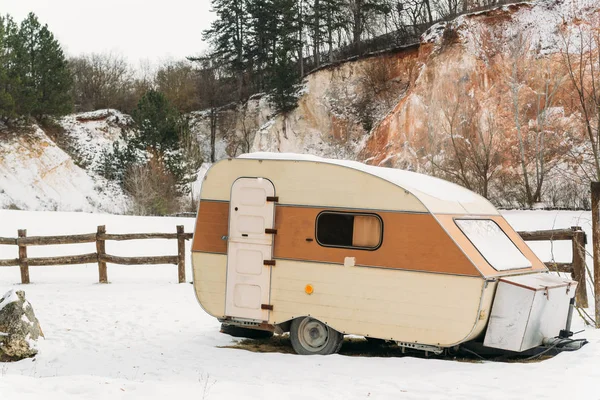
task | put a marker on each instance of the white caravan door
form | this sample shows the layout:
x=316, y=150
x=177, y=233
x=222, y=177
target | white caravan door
x=249, y=245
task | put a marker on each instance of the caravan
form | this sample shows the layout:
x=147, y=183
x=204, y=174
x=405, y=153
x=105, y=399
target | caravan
x=321, y=248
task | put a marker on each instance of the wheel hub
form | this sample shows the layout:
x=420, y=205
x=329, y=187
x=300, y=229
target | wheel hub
x=314, y=335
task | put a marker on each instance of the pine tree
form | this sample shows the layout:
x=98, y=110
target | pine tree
x=284, y=76
x=159, y=129
x=7, y=104
x=361, y=14
x=324, y=19
x=284, y=79
x=228, y=35
x=262, y=36
x=41, y=68
x=157, y=123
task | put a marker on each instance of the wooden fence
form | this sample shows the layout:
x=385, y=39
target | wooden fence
x=577, y=266
x=100, y=256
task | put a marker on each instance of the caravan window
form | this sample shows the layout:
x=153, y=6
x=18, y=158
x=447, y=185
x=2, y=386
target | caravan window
x=340, y=229
x=493, y=244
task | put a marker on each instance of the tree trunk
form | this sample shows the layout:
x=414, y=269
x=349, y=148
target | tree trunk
x=316, y=33
x=213, y=133
x=300, y=41
x=357, y=27
x=517, y=119
x=428, y=6
x=330, y=38
x=522, y=160
x=595, y=189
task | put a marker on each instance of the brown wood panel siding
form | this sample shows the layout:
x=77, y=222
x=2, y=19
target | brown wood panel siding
x=410, y=241
x=447, y=221
x=211, y=225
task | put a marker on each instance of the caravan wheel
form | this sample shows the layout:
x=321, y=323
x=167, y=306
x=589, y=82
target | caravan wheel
x=310, y=336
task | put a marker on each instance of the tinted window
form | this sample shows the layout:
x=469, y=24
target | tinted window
x=363, y=231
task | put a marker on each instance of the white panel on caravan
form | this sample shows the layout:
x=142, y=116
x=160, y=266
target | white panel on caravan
x=249, y=247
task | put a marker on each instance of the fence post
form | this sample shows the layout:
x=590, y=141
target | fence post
x=101, y=250
x=595, y=189
x=23, y=258
x=578, y=243
x=180, y=254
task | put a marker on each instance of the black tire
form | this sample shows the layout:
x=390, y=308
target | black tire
x=310, y=336
x=238, y=331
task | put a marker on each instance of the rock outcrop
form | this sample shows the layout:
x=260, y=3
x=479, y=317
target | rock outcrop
x=19, y=327
x=456, y=104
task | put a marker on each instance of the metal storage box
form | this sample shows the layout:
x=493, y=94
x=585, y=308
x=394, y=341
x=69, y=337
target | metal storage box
x=527, y=309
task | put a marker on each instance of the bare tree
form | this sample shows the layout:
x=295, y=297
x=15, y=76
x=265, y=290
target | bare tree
x=467, y=145
x=214, y=90
x=580, y=54
x=376, y=92
x=362, y=15
x=452, y=147
x=192, y=158
x=429, y=13
x=101, y=81
x=152, y=188
x=546, y=83
x=448, y=8
x=245, y=122
x=407, y=15
x=485, y=156
x=178, y=82
x=519, y=61
x=533, y=85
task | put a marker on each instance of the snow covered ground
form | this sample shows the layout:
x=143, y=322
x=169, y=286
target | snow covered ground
x=145, y=337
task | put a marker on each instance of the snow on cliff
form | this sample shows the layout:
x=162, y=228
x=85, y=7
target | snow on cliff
x=91, y=133
x=36, y=174
x=541, y=22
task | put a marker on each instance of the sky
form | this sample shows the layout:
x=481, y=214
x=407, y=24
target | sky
x=142, y=31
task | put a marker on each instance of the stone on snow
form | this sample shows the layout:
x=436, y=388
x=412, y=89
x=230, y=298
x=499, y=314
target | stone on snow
x=19, y=327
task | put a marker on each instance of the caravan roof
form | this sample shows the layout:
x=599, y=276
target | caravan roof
x=434, y=193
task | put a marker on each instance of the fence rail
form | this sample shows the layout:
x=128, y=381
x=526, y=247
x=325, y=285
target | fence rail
x=577, y=266
x=100, y=256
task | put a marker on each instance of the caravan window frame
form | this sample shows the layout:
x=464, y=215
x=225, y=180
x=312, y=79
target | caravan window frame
x=354, y=214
